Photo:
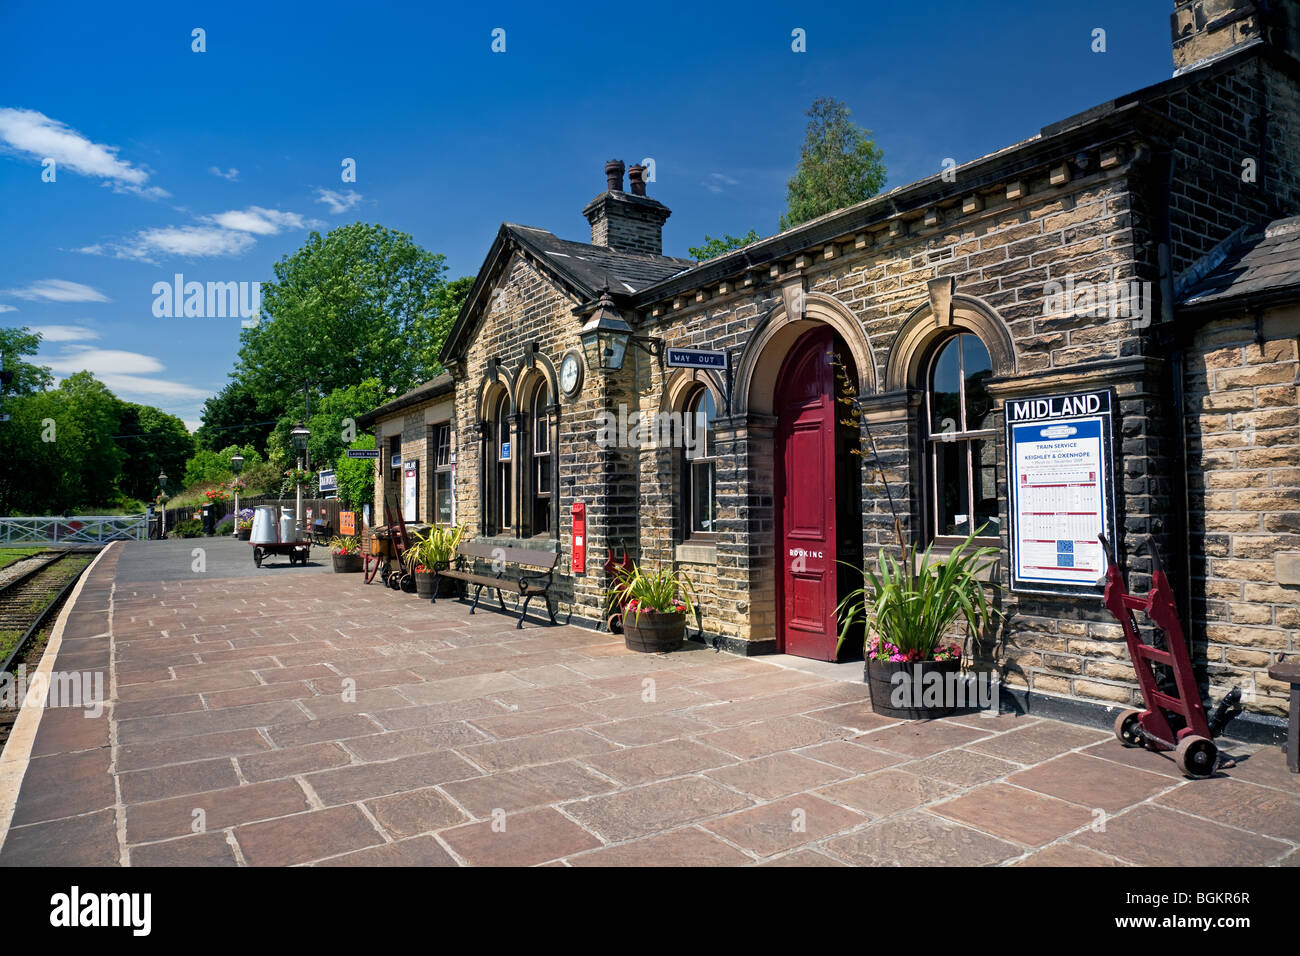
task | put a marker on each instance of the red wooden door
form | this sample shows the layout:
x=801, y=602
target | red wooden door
x=805, y=490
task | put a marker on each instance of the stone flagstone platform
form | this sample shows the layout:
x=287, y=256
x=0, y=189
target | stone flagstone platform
x=295, y=716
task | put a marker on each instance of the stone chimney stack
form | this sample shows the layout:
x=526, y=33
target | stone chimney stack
x=627, y=221
x=1204, y=29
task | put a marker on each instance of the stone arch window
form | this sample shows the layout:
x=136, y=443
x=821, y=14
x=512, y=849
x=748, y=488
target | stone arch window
x=699, y=466
x=536, y=458
x=960, y=490
x=498, y=456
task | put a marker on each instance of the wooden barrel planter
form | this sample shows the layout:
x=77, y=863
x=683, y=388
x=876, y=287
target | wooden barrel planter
x=348, y=563
x=654, y=633
x=910, y=688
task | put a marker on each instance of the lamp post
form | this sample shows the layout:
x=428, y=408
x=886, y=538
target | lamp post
x=299, y=436
x=162, y=483
x=237, y=465
x=606, y=336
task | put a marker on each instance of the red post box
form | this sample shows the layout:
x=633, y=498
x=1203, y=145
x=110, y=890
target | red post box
x=578, y=542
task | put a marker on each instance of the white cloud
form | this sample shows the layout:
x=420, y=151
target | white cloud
x=65, y=333
x=74, y=358
x=338, y=202
x=259, y=221
x=128, y=374
x=34, y=134
x=719, y=181
x=8, y=308
x=230, y=175
x=57, y=290
x=193, y=242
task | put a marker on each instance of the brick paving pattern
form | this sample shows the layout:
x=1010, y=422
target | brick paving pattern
x=302, y=718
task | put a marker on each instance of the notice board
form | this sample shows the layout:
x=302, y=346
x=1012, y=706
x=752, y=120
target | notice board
x=1061, y=490
x=411, y=491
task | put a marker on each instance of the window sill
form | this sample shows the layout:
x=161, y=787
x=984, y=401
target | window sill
x=991, y=573
x=697, y=553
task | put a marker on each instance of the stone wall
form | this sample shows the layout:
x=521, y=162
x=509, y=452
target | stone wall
x=1243, y=427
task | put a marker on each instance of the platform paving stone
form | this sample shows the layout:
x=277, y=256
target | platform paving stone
x=305, y=720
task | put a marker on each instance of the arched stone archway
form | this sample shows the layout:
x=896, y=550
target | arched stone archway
x=912, y=344
x=756, y=373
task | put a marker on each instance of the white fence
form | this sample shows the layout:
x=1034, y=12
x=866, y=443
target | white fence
x=80, y=529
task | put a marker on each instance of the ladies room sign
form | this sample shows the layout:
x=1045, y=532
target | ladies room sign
x=1061, y=490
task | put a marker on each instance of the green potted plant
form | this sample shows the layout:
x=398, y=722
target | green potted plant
x=909, y=607
x=346, y=550
x=430, y=553
x=653, y=606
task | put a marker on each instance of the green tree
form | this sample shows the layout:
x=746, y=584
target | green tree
x=839, y=165
x=447, y=303
x=333, y=420
x=28, y=378
x=233, y=416
x=94, y=458
x=360, y=302
x=153, y=441
x=356, y=476
x=714, y=247
x=60, y=451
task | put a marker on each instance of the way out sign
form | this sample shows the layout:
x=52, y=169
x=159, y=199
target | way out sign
x=696, y=358
x=1061, y=493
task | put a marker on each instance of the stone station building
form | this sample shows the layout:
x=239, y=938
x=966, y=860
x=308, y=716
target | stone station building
x=938, y=303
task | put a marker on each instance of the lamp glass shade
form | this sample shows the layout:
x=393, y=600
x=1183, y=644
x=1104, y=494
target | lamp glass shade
x=299, y=436
x=162, y=480
x=237, y=464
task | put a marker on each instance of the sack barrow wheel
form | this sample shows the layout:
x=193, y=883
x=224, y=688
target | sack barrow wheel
x=258, y=554
x=1197, y=756
x=1128, y=729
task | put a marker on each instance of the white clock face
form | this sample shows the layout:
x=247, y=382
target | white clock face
x=569, y=373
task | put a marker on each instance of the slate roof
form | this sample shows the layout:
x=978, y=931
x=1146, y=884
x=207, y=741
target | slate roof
x=1262, y=266
x=592, y=266
x=441, y=385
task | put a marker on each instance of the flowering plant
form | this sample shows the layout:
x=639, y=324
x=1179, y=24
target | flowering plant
x=347, y=544
x=664, y=591
x=910, y=605
x=236, y=485
x=883, y=651
x=299, y=476
x=216, y=495
x=677, y=607
x=244, y=520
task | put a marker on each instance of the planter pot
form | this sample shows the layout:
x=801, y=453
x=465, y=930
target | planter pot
x=424, y=584
x=653, y=633
x=244, y=535
x=347, y=563
x=918, y=691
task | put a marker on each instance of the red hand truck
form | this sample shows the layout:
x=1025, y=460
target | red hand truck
x=1170, y=722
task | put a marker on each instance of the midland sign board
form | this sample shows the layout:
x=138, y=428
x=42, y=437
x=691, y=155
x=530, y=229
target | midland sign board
x=1061, y=491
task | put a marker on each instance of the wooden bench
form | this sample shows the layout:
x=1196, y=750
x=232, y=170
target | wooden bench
x=1288, y=671
x=529, y=584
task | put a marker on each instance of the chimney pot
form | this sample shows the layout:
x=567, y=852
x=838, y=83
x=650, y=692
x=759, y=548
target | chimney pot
x=636, y=175
x=614, y=175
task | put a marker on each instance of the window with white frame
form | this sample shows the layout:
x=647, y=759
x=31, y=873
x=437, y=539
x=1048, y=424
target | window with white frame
x=699, y=466
x=961, y=485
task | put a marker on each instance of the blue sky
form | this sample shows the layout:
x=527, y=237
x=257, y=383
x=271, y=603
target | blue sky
x=216, y=164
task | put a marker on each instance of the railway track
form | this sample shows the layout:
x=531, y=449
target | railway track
x=30, y=596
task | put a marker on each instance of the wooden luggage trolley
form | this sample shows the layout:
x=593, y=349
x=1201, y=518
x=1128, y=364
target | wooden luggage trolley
x=388, y=547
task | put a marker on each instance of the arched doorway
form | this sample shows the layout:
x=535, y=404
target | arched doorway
x=818, y=495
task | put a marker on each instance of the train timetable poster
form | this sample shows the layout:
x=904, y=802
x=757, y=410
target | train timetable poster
x=1061, y=490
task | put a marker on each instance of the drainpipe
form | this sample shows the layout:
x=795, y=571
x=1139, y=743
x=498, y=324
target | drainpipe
x=1170, y=335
